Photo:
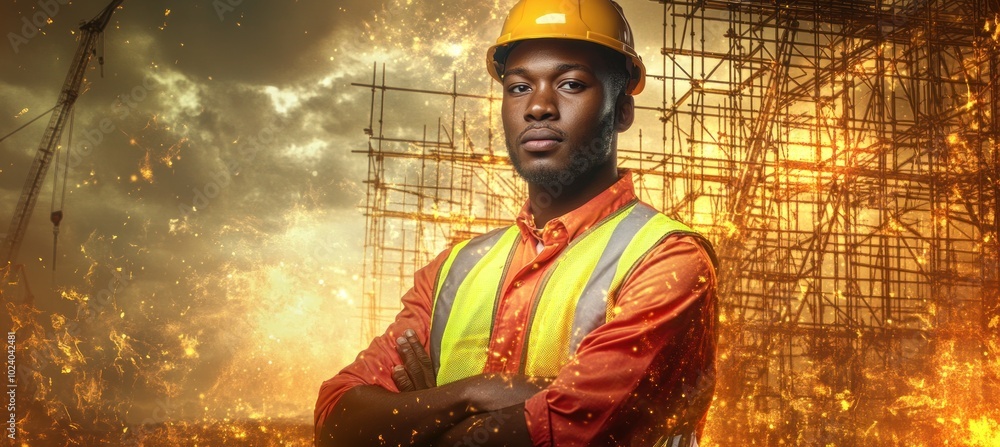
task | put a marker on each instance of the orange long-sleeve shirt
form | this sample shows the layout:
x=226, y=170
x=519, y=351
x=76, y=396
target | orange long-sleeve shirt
x=651, y=366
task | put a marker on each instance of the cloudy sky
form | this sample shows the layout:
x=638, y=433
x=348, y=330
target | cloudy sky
x=215, y=214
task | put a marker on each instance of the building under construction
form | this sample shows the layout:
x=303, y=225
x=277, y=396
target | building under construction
x=843, y=158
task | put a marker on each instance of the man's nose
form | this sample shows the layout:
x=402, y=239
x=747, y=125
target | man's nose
x=542, y=105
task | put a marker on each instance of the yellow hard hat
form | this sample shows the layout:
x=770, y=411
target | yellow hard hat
x=598, y=21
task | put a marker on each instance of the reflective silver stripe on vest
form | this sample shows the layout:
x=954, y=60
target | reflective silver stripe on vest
x=591, y=309
x=467, y=258
x=678, y=441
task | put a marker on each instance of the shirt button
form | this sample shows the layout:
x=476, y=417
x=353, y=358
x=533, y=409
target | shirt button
x=535, y=266
x=518, y=284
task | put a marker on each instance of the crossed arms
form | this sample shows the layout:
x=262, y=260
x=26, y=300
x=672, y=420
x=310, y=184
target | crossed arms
x=484, y=410
x=648, y=371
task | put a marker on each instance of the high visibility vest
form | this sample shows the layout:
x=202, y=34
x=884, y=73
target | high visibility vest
x=576, y=295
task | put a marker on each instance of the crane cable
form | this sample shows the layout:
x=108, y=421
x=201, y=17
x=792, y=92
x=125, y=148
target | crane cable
x=100, y=52
x=28, y=123
x=57, y=214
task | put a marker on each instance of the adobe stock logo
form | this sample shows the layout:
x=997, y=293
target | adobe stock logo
x=224, y=7
x=32, y=27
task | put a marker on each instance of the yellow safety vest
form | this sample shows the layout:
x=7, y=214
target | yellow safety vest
x=576, y=296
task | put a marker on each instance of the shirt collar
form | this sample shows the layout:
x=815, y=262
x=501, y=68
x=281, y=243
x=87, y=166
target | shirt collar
x=574, y=223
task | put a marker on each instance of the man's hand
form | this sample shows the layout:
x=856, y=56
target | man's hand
x=506, y=428
x=488, y=392
x=423, y=413
x=416, y=372
x=491, y=392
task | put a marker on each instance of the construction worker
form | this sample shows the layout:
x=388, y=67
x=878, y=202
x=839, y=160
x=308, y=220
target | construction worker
x=591, y=322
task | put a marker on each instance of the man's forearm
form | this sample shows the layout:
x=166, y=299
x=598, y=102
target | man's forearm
x=501, y=428
x=371, y=415
x=499, y=420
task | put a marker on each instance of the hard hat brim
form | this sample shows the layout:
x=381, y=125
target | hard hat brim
x=497, y=55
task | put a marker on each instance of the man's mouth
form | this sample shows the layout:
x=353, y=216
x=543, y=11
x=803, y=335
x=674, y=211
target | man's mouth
x=540, y=139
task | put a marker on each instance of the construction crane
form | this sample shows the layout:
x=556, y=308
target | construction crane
x=92, y=34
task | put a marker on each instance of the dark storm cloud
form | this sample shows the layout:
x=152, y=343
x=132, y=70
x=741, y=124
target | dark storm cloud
x=243, y=151
x=251, y=41
x=225, y=56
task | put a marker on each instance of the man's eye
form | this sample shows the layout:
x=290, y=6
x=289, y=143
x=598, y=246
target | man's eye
x=572, y=85
x=518, y=88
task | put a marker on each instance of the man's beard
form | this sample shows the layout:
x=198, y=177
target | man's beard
x=584, y=161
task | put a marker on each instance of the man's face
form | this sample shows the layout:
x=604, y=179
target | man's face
x=558, y=112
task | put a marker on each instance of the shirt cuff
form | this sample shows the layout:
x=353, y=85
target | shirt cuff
x=536, y=415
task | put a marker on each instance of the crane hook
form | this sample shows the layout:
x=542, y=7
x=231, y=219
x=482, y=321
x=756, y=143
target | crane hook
x=56, y=219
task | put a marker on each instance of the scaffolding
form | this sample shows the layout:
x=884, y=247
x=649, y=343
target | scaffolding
x=842, y=156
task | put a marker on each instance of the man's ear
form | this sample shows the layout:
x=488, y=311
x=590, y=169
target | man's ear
x=624, y=113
